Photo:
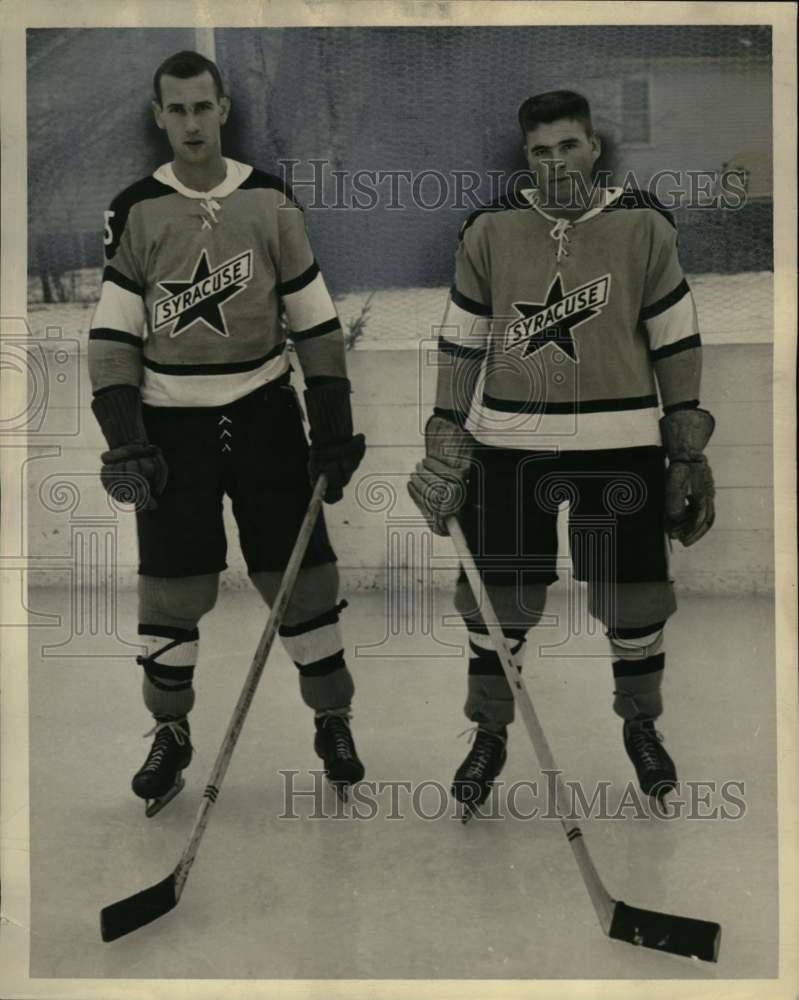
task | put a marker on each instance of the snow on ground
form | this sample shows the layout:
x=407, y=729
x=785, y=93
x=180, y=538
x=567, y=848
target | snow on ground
x=733, y=309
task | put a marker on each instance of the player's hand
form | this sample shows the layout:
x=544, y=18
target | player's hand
x=335, y=450
x=338, y=462
x=690, y=509
x=438, y=488
x=134, y=473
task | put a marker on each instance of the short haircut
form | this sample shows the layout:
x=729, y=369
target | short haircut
x=185, y=65
x=543, y=109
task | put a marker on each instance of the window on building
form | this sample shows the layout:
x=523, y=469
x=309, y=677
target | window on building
x=636, y=121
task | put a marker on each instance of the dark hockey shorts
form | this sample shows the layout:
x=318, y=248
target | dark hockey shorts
x=255, y=451
x=616, y=514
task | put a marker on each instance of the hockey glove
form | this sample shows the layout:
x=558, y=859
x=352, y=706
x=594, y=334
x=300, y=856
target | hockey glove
x=690, y=510
x=133, y=470
x=438, y=484
x=335, y=450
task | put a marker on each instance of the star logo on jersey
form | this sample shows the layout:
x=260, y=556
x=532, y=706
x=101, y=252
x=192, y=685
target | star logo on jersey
x=200, y=299
x=552, y=321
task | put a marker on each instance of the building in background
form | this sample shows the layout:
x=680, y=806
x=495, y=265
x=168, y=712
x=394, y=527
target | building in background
x=403, y=100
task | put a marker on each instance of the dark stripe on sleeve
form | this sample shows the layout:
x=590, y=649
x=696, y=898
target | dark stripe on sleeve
x=648, y=312
x=226, y=368
x=460, y=351
x=329, y=326
x=469, y=305
x=298, y=283
x=570, y=406
x=117, y=278
x=118, y=336
x=686, y=344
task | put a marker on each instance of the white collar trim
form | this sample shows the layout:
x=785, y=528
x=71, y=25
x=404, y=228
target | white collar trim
x=609, y=195
x=236, y=174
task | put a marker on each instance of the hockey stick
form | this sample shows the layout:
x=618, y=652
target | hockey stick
x=662, y=931
x=129, y=914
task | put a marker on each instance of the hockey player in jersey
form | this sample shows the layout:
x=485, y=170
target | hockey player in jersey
x=570, y=312
x=187, y=356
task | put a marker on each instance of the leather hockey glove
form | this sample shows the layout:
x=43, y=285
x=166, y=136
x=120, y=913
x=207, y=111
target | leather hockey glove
x=130, y=457
x=690, y=510
x=335, y=450
x=438, y=484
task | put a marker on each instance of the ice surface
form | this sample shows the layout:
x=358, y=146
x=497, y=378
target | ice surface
x=272, y=897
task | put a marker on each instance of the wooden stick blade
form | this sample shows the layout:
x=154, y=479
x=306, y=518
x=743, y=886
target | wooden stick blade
x=142, y=908
x=665, y=932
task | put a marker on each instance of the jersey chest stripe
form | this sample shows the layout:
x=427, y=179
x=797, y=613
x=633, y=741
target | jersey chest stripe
x=570, y=406
x=221, y=368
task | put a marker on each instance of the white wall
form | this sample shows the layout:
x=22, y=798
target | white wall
x=376, y=529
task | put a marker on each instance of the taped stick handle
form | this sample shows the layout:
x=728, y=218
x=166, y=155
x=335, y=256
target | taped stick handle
x=236, y=724
x=602, y=901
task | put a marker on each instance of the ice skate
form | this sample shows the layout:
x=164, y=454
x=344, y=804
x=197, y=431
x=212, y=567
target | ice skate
x=160, y=779
x=475, y=777
x=334, y=744
x=656, y=772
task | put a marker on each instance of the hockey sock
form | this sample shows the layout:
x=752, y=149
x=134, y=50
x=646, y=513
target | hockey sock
x=169, y=669
x=638, y=664
x=489, y=701
x=317, y=650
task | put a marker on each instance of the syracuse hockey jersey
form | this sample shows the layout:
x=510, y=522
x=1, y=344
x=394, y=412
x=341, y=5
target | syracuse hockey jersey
x=195, y=287
x=571, y=322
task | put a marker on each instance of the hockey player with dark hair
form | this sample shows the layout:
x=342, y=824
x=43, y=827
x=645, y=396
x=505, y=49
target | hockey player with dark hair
x=207, y=263
x=573, y=313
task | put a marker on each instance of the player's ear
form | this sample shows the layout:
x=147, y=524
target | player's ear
x=596, y=145
x=158, y=114
x=224, y=104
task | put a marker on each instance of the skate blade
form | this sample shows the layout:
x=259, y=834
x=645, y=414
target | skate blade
x=154, y=806
x=463, y=812
x=342, y=790
x=664, y=801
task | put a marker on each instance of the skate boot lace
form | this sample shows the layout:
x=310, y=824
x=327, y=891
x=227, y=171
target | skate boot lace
x=482, y=749
x=163, y=732
x=342, y=741
x=647, y=743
